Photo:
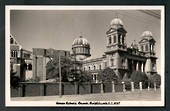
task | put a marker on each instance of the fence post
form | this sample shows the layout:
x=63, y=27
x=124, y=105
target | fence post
x=42, y=89
x=113, y=86
x=123, y=86
x=76, y=88
x=155, y=86
x=90, y=88
x=101, y=88
x=132, y=86
x=140, y=86
x=148, y=86
x=20, y=91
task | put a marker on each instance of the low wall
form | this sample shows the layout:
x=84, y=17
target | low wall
x=48, y=89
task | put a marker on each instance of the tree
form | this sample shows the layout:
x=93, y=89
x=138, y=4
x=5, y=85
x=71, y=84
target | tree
x=52, y=68
x=138, y=76
x=155, y=78
x=68, y=70
x=107, y=75
x=79, y=76
x=14, y=80
x=127, y=81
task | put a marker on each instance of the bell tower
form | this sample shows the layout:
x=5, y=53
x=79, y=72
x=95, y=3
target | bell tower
x=116, y=47
x=116, y=35
x=146, y=45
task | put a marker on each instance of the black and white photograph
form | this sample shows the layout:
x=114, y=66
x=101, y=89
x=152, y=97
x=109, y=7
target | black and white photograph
x=84, y=56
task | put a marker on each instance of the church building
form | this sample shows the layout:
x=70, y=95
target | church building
x=118, y=56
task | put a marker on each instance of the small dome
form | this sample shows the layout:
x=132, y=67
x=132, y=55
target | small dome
x=80, y=41
x=134, y=45
x=147, y=34
x=116, y=21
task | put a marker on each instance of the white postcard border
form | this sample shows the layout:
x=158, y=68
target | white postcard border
x=8, y=101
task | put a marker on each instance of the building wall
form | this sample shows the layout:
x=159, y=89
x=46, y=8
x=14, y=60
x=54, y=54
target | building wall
x=40, y=59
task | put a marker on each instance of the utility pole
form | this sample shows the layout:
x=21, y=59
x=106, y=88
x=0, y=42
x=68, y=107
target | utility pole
x=60, y=78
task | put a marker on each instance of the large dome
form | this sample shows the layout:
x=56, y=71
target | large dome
x=80, y=41
x=80, y=48
x=147, y=34
x=116, y=21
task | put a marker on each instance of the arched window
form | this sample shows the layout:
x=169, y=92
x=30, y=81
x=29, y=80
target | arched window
x=11, y=41
x=105, y=64
x=119, y=38
x=146, y=47
x=16, y=54
x=142, y=48
x=112, y=62
x=11, y=53
x=29, y=66
x=110, y=40
x=94, y=67
x=123, y=62
x=123, y=40
x=100, y=67
x=114, y=39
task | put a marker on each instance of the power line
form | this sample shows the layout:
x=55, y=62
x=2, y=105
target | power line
x=151, y=13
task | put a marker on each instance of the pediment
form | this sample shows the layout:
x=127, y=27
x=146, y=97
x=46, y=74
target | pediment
x=111, y=30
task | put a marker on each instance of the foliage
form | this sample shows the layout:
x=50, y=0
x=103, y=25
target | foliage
x=68, y=71
x=36, y=79
x=138, y=76
x=52, y=68
x=127, y=81
x=155, y=78
x=80, y=76
x=107, y=75
x=14, y=80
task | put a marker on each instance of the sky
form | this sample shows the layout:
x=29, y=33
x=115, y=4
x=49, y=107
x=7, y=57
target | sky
x=58, y=28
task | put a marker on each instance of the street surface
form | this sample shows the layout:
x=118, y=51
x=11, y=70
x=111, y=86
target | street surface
x=137, y=95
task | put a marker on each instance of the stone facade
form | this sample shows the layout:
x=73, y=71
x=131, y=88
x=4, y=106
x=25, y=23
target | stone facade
x=122, y=59
x=41, y=57
x=20, y=60
x=118, y=56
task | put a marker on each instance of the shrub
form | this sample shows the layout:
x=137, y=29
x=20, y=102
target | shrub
x=138, y=76
x=155, y=78
x=14, y=80
x=107, y=75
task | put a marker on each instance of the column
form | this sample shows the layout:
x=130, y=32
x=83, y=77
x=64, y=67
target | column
x=76, y=87
x=137, y=65
x=148, y=86
x=42, y=90
x=126, y=60
x=155, y=86
x=132, y=86
x=96, y=79
x=101, y=88
x=140, y=86
x=112, y=39
x=107, y=40
x=93, y=77
x=142, y=67
x=123, y=87
x=132, y=66
x=120, y=39
x=113, y=86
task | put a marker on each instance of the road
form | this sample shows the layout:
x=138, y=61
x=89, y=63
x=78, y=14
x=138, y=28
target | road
x=137, y=95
